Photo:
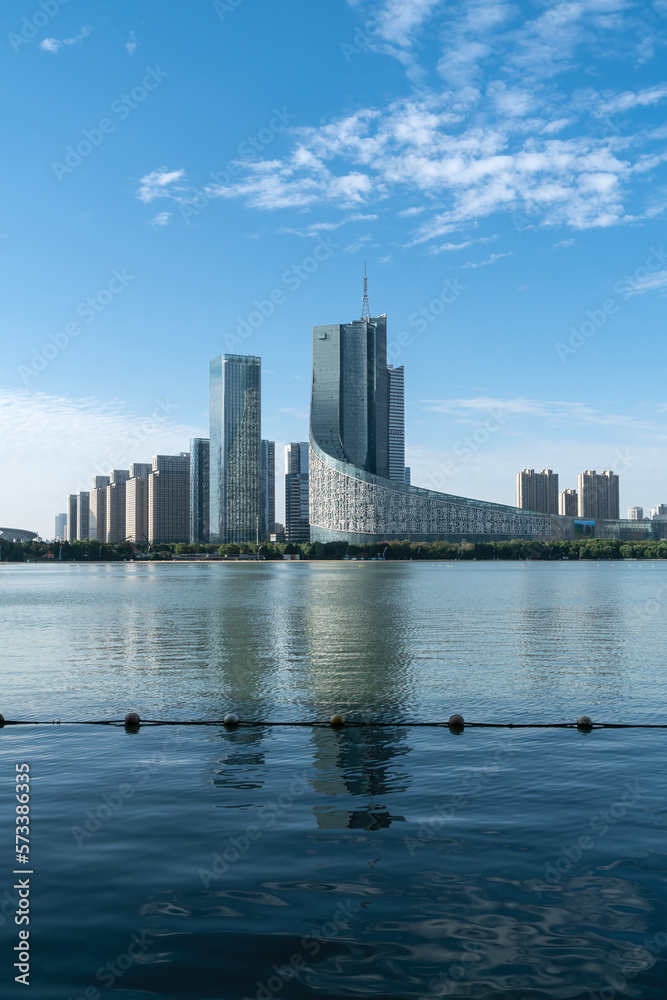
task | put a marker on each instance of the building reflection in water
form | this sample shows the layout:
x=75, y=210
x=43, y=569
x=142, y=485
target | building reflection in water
x=353, y=765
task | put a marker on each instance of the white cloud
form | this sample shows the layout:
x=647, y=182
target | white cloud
x=489, y=260
x=564, y=243
x=487, y=144
x=155, y=184
x=357, y=245
x=94, y=435
x=398, y=22
x=632, y=99
x=161, y=219
x=434, y=251
x=53, y=44
x=648, y=283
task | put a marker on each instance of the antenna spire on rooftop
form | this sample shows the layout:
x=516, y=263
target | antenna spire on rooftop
x=365, y=307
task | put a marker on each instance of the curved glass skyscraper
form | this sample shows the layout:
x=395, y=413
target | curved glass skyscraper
x=352, y=497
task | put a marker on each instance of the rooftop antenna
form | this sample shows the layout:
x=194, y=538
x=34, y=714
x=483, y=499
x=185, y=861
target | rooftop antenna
x=365, y=307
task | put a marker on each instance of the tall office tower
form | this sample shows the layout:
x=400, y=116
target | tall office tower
x=351, y=497
x=349, y=411
x=407, y=475
x=235, y=396
x=200, y=480
x=297, y=523
x=268, y=488
x=169, y=498
x=659, y=512
x=61, y=524
x=537, y=491
x=98, y=509
x=115, y=513
x=72, y=501
x=136, y=508
x=396, y=445
x=83, y=516
x=140, y=470
x=567, y=503
x=635, y=513
x=598, y=494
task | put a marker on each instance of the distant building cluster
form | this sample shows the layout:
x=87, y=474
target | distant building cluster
x=347, y=483
x=596, y=495
x=657, y=513
x=222, y=491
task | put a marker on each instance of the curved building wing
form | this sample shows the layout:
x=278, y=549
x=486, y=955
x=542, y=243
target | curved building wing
x=352, y=497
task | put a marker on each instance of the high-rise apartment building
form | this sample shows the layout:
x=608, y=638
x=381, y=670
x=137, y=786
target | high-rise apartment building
x=115, y=512
x=136, y=508
x=169, y=498
x=235, y=397
x=200, y=483
x=396, y=446
x=297, y=523
x=83, y=516
x=635, y=513
x=598, y=495
x=61, y=526
x=537, y=491
x=140, y=470
x=407, y=475
x=567, y=503
x=72, y=501
x=659, y=512
x=98, y=509
x=268, y=488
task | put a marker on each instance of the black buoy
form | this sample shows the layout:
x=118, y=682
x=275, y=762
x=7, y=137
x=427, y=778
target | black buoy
x=584, y=723
x=456, y=723
x=2, y=721
x=132, y=719
x=337, y=719
x=231, y=719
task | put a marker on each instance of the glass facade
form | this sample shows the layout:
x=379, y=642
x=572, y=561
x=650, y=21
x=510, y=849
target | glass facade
x=351, y=387
x=235, y=459
x=199, y=490
x=297, y=522
x=268, y=497
x=396, y=395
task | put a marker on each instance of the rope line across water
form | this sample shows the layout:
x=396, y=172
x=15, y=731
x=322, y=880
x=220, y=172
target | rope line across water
x=336, y=725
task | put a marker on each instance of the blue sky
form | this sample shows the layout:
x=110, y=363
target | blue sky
x=169, y=167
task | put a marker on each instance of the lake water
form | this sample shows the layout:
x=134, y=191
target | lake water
x=379, y=861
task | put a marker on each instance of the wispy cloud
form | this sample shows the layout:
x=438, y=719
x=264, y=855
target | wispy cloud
x=564, y=243
x=558, y=412
x=157, y=184
x=445, y=247
x=54, y=44
x=132, y=44
x=358, y=244
x=632, y=99
x=95, y=434
x=161, y=219
x=489, y=260
x=649, y=283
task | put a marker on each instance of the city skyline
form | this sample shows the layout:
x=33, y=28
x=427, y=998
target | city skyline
x=511, y=314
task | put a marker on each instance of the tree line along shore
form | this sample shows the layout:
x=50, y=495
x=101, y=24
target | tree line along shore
x=516, y=549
